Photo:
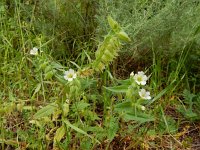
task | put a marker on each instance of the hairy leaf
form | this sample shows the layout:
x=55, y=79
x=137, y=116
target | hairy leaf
x=45, y=111
x=60, y=132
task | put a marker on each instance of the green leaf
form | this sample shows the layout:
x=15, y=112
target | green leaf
x=113, y=128
x=123, y=36
x=79, y=130
x=92, y=115
x=57, y=66
x=127, y=81
x=188, y=113
x=9, y=142
x=49, y=75
x=167, y=124
x=113, y=24
x=188, y=97
x=79, y=106
x=118, y=89
x=37, y=89
x=37, y=123
x=99, y=132
x=45, y=111
x=88, y=83
x=125, y=106
x=61, y=78
x=60, y=132
x=141, y=118
x=48, y=68
x=65, y=108
x=159, y=95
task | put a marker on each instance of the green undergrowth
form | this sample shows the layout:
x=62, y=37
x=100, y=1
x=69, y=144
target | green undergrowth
x=99, y=74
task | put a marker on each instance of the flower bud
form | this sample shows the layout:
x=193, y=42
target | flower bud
x=65, y=109
x=113, y=24
x=143, y=108
x=49, y=75
x=20, y=106
x=123, y=36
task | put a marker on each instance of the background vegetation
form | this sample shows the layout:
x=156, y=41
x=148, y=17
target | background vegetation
x=40, y=110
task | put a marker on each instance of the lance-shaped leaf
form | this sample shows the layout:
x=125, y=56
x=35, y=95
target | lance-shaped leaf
x=118, y=89
x=80, y=131
x=46, y=111
x=60, y=132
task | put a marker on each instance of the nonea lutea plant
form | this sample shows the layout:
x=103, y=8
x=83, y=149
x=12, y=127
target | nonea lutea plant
x=74, y=82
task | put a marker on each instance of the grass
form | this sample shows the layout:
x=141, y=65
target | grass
x=101, y=108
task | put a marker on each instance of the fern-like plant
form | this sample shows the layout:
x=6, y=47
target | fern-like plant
x=191, y=108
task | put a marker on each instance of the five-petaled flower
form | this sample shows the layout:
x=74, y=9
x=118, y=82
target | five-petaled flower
x=140, y=78
x=70, y=75
x=34, y=51
x=144, y=94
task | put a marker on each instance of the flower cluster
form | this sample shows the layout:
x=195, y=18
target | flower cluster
x=141, y=79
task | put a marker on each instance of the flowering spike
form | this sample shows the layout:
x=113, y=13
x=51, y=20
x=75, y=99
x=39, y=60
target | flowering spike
x=110, y=47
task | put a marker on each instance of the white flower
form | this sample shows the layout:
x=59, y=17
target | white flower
x=70, y=75
x=34, y=51
x=143, y=108
x=132, y=74
x=140, y=78
x=67, y=101
x=144, y=94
